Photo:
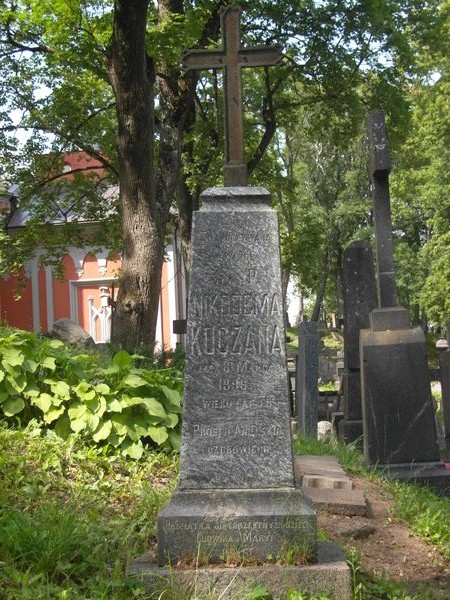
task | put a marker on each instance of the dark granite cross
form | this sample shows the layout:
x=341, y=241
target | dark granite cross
x=231, y=58
x=380, y=165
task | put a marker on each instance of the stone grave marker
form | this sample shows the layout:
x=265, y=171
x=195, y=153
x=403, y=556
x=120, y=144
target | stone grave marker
x=444, y=377
x=307, y=376
x=236, y=491
x=237, y=498
x=360, y=298
x=398, y=413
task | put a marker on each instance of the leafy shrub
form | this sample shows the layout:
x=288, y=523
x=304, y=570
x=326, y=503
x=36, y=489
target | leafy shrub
x=118, y=405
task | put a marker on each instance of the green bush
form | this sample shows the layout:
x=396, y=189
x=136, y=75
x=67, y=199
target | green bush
x=118, y=405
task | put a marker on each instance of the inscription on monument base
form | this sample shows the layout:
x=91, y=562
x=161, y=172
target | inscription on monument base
x=251, y=523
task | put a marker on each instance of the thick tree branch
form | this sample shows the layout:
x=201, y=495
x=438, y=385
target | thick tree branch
x=268, y=114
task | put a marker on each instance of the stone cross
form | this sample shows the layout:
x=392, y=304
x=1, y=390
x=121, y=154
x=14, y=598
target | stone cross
x=380, y=165
x=231, y=58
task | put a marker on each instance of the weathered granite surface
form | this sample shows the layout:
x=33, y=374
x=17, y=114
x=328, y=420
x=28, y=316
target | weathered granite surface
x=399, y=421
x=360, y=297
x=236, y=421
x=329, y=575
x=444, y=365
x=379, y=168
x=434, y=475
x=71, y=333
x=212, y=524
x=306, y=385
x=236, y=472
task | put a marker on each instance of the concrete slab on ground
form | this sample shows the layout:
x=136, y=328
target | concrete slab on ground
x=327, y=484
x=326, y=481
x=330, y=574
x=338, y=502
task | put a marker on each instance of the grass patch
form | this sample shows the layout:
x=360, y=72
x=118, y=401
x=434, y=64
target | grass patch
x=292, y=333
x=72, y=518
x=427, y=514
x=367, y=587
x=331, y=340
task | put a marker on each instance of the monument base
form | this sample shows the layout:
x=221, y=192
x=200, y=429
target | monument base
x=350, y=430
x=329, y=575
x=398, y=409
x=216, y=526
x=434, y=475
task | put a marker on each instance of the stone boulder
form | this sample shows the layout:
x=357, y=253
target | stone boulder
x=71, y=333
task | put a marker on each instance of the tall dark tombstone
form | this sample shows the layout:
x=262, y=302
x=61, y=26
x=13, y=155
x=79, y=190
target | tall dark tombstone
x=398, y=412
x=306, y=382
x=444, y=376
x=359, y=298
x=236, y=492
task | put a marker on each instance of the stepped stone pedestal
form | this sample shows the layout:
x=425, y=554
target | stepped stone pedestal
x=237, y=492
x=400, y=435
x=399, y=421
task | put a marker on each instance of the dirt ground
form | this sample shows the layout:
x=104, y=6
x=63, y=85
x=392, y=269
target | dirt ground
x=389, y=548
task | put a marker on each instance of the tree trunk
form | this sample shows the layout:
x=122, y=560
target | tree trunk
x=146, y=191
x=285, y=275
x=322, y=285
x=131, y=73
x=187, y=203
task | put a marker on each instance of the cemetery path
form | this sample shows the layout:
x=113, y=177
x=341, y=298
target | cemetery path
x=388, y=547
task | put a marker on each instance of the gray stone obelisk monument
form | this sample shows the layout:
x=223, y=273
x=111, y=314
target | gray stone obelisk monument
x=236, y=492
x=398, y=413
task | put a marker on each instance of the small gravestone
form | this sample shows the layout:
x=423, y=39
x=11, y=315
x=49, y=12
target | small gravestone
x=307, y=376
x=398, y=413
x=360, y=298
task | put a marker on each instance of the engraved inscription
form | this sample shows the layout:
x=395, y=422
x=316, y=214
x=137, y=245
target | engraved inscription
x=250, y=525
x=265, y=305
x=245, y=237
x=223, y=450
x=220, y=538
x=246, y=366
x=241, y=430
x=238, y=252
x=239, y=366
x=235, y=340
x=241, y=403
x=226, y=384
